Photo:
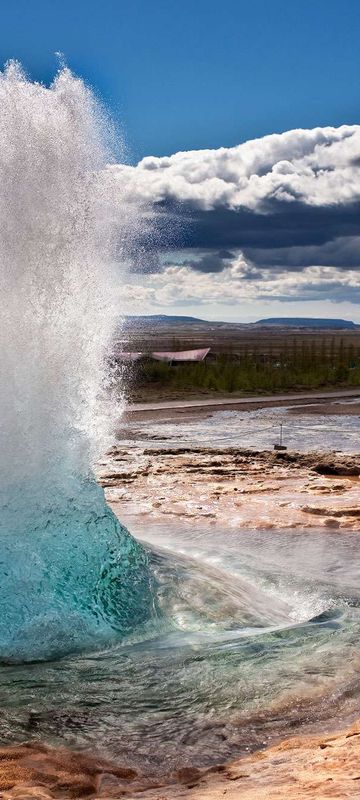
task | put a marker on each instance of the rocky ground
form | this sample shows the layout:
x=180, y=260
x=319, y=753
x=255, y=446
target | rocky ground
x=286, y=489
x=302, y=768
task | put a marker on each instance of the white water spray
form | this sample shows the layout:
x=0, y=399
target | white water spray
x=59, y=543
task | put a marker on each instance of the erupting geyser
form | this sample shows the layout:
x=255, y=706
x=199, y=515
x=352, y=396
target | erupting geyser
x=69, y=573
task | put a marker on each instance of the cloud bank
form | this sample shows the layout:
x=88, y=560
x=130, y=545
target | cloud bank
x=276, y=217
x=318, y=167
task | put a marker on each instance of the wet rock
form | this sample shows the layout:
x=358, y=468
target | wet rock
x=317, y=767
x=276, y=486
x=332, y=512
x=339, y=468
x=188, y=775
x=331, y=523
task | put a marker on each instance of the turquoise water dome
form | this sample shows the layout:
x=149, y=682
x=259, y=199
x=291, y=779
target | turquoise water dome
x=71, y=577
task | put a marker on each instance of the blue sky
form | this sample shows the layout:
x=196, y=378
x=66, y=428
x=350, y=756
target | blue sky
x=186, y=74
x=270, y=228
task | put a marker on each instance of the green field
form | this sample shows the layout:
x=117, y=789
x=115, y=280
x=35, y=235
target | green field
x=298, y=365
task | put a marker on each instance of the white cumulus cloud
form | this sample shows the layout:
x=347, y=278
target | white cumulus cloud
x=318, y=167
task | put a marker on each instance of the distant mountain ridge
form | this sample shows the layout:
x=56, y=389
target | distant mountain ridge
x=308, y=322
x=161, y=319
x=290, y=322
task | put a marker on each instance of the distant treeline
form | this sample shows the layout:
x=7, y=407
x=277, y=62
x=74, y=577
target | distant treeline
x=296, y=366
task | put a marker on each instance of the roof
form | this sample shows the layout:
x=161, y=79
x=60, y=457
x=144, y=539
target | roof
x=181, y=355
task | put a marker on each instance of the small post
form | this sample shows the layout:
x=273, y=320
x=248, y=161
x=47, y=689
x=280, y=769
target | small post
x=280, y=446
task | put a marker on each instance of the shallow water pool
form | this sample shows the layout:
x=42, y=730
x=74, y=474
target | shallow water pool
x=256, y=634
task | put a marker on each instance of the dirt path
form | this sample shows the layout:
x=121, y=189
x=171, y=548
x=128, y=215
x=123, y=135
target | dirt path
x=228, y=403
